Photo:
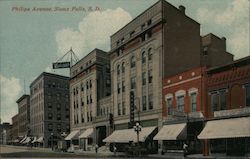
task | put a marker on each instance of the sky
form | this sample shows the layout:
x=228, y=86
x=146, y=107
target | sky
x=30, y=40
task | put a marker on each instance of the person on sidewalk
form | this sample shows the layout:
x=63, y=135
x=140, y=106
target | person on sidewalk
x=115, y=150
x=185, y=149
x=96, y=148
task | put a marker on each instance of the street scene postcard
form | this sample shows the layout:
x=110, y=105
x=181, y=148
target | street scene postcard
x=125, y=79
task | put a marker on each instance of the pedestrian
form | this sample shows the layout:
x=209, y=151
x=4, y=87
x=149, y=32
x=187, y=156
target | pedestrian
x=185, y=149
x=96, y=148
x=115, y=150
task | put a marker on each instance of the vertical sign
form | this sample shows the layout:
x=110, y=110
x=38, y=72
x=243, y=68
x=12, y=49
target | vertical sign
x=132, y=107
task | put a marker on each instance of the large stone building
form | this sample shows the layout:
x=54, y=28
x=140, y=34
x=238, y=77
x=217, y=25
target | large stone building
x=160, y=42
x=49, y=108
x=23, y=115
x=89, y=83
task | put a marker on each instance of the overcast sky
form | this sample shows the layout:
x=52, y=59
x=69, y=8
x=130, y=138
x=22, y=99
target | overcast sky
x=30, y=41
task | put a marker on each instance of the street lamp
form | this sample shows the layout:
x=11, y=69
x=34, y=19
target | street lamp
x=51, y=141
x=137, y=129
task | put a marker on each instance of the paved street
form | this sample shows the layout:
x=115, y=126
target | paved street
x=37, y=153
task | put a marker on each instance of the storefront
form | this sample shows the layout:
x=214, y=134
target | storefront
x=230, y=136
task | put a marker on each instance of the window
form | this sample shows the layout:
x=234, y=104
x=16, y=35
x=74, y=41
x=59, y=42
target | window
x=222, y=99
x=150, y=76
x=205, y=50
x=143, y=57
x=90, y=98
x=149, y=34
x=123, y=86
x=132, y=62
x=133, y=83
x=58, y=127
x=50, y=117
x=58, y=106
x=150, y=54
x=193, y=98
x=149, y=22
x=49, y=105
x=82, y=101
x=50, y=127
x=82, y=87
x=58, y=117
x=123, y=67
x=169, y=104
x=214, y=101
x=132, y=33
x=76, y=90
x=144, y=103
x=87, y=85
x=180, y=103
x=90, y=84
x=123, y=108
x=122, y=40
x=150, y=101
x=144, y=78
x=247, y=95
x=87, y=99
x=118, y=69
x=143, y=26
x=119, y=108
x=118, y=88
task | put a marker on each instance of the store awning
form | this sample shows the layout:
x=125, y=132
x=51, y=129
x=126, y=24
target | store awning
x=28, y=139
x=226, y=128
x=40, y=139
x=73, y=135
x=87, y=133
x=34, y=140
x=129, y=135
x=23, y=139
x=171, y=132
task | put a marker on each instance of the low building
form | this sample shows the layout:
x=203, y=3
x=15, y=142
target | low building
x=184, y=109
x=227, y=127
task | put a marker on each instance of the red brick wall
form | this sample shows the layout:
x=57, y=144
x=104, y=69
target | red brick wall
x=190, y=79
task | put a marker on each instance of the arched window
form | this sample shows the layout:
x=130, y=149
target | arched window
x=118, y=69
x=143, y=57
x=132, y=61
x=123, y=67
x=150, y=54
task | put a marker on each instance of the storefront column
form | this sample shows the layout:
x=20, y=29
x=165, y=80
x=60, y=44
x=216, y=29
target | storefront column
x=206, y=147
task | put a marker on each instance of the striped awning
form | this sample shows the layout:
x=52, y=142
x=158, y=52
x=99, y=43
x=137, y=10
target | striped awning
x=226, y=128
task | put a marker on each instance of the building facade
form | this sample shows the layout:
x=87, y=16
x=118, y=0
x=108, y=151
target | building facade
x=89, y=83
x=15, y=127
x=23, y=115
x=49, y=108
x=228, y=106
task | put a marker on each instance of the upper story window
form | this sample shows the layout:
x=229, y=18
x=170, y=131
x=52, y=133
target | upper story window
x=133, y=82
x=193, y=101
x=132, y=61
x=143, y=57
x=87, y=85
x=150, y=76
x=169, y=104
x=118, y=69
x=118, y=88
x=150, y=101
x=144, y=77
x=90, y=83
x=222, y=95
x=205, y=50
x=180, y=103
x=214, y=101
x=132, y=33
x=123, y=86
x=119, y=109
x=150, y=54
x=143, y=26
x=144, y=103
x=149, y=22
x=122, y=40
x=247, y=87
x=123, y=67
x=123, y=108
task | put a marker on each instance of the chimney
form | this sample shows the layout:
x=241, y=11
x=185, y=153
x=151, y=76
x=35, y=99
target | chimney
x=182, y=9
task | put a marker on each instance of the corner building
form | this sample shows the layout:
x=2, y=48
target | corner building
x=89, y=83
x=49, y=108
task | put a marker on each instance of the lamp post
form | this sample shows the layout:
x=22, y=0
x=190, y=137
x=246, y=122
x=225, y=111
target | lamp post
x=51, y=141
x=137, y=129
